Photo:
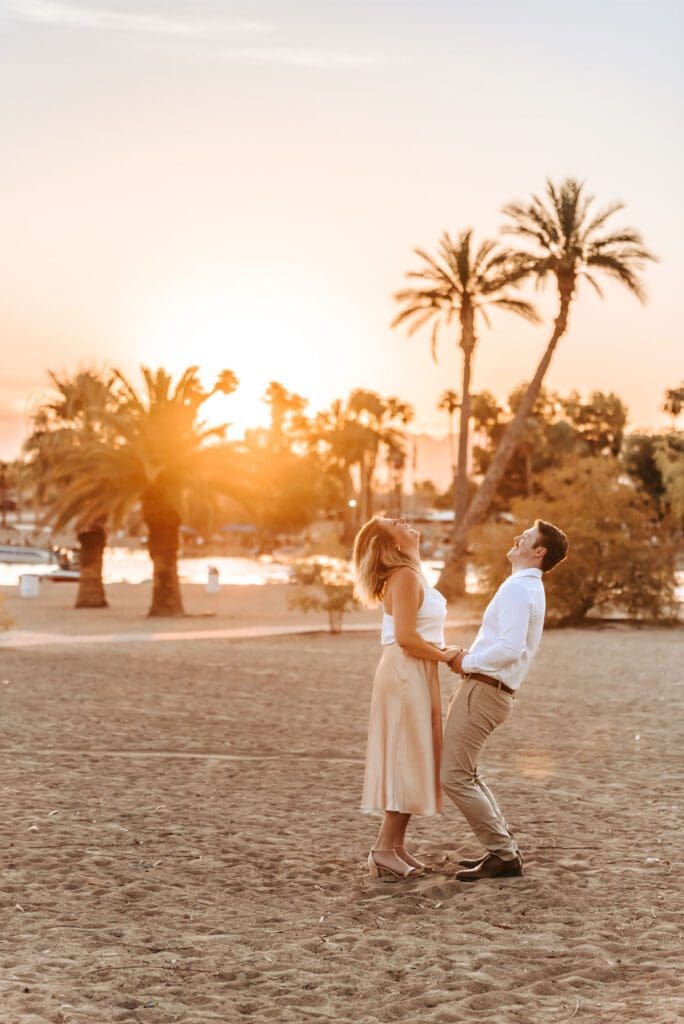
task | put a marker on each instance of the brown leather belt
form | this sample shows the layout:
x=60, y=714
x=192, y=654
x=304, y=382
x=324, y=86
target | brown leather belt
x=490, y=681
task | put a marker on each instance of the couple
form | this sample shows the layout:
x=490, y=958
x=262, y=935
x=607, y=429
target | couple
x=405, y=761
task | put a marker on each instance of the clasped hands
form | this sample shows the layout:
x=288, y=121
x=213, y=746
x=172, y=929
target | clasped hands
x=455, y=660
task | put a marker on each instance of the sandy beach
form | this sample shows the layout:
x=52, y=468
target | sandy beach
x=183, y=841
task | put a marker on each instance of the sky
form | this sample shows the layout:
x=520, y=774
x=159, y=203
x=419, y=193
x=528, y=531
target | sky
x=242, y=184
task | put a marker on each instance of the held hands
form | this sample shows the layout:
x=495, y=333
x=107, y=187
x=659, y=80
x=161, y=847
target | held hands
x=454, y=658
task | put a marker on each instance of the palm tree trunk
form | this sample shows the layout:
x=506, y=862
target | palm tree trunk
x=163, y=522
x=452, y=449
x=528, y=472
x=510, y=441
x=362, y=488
x=461, y=489
x=348, y=513
x=455, y=568
x=370, y=484
x=91, y=592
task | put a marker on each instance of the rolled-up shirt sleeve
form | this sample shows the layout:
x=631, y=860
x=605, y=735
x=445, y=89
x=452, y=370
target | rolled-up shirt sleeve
x=513, y=613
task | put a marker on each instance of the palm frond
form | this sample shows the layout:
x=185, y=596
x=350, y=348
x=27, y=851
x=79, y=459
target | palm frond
x=128, y=392
x=412, y=311
x=461, y=257
x=433, y=340
x=485, y=257
x=531, y=221
x=619, y=270
x=590, y=279
x=438, y=272
x=421, y=318
x=626, y=253
x=527, y=310
x=600, y=219
x=626, y=236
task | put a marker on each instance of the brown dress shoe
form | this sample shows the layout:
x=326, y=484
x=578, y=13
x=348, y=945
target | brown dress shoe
x=475, y=862
x=492, y=867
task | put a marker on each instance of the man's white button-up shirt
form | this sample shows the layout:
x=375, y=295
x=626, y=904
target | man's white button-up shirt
x=511, y=629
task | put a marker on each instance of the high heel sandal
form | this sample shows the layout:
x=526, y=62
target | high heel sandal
x=418, y=866
x=380, y=870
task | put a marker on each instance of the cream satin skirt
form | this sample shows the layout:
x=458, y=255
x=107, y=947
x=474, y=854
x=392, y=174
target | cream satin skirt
x=404, y=737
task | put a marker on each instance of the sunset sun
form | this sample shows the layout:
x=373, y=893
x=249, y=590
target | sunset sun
x=265, y=322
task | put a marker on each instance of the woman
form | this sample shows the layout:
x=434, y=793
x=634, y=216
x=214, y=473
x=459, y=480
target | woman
x=405, y=728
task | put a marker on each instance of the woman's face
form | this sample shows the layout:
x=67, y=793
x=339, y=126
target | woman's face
x=404, y=536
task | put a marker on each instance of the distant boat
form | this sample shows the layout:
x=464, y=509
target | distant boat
x=15, y=554
x=59, y=566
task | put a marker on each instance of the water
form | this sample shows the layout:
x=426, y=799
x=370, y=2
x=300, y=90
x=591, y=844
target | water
x=127, y=565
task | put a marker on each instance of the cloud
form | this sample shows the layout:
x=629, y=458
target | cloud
x=295, y=57
x=70, y=15
x=53, y=12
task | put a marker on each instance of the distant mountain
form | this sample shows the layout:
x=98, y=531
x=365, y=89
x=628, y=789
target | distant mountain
x=428, y=458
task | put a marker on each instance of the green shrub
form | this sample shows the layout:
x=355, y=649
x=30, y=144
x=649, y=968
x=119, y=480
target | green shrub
x=621, y=557
x=323, y=585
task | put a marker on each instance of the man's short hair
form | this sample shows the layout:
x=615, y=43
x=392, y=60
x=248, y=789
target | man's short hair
x=555, y=542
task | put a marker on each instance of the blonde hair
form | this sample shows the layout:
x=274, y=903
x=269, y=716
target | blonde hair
x=376, y=557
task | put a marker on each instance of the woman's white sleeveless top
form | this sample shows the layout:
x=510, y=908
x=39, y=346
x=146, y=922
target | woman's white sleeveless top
x=429, y=620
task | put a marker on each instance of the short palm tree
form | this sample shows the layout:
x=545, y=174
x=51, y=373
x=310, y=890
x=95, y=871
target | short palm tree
x=79, y=416
x=449, y=402
x=565, y=242
x=286, y=408
x=674, y=403
x=162, y=460
x=380, y=421
x=460, y=285
x=339, y=441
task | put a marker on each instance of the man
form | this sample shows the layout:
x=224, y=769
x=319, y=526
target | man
x=493, y=670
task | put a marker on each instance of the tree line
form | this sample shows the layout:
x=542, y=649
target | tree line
x=102, y=450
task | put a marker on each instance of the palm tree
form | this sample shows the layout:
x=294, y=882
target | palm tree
x=565, y=243
x=381, y=420
x=286, y=409
x=78, y=417
x=448, y=402
x=160, y=459
x=460, y=284
x=674, y=403
x=347, y=437
x=9, y=478
x=339, y=441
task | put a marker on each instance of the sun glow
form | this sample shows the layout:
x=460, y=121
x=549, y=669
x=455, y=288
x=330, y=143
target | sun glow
x=265, y=322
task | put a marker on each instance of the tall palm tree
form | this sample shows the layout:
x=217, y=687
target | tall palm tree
x=460, y=284
x=161, y=460
x=76, y=418
x=566, y=243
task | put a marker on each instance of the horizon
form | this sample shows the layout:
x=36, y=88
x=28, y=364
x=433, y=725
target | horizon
x=245, y=190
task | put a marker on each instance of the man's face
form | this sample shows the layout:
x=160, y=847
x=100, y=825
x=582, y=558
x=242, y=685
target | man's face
x=525, y=550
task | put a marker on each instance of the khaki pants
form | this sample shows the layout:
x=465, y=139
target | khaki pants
x=475, y=711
